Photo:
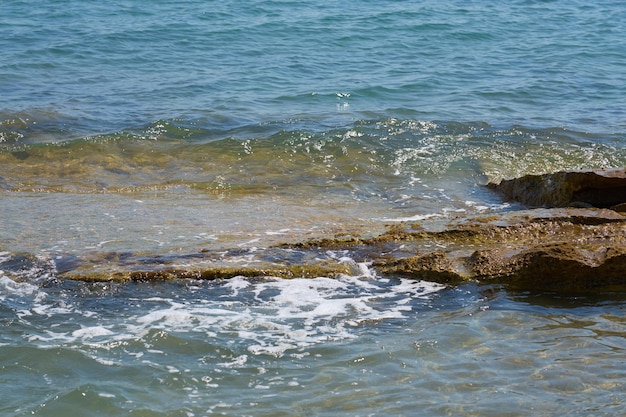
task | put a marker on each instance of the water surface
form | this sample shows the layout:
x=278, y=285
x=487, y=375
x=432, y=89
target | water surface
x=202, y=132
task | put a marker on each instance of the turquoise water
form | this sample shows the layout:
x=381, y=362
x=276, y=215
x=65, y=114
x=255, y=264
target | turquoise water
x=79, y=67
x=199, y=132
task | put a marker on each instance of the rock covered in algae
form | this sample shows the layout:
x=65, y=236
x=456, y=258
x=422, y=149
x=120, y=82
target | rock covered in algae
x=558, y=249
x=602, y=189
x=164, y=273
x=568, y=249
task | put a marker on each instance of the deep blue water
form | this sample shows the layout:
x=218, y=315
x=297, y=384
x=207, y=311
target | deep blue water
x=154, y=130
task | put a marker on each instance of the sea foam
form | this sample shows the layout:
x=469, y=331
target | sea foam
x=264, y=317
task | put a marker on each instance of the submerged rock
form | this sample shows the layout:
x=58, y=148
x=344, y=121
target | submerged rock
x=563, y=248
x=145, y=273
x=567, y=249
x=602, y=189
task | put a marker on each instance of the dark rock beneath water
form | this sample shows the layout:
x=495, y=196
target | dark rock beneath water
x=602, y=189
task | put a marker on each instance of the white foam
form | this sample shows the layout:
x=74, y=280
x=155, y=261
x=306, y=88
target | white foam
x=482, y=207
x=237, y=362
x=236, y=284
x=251, y=241
x=9, y=286
x=271, y=317
x=277, y=232
x=417, y=217
x=90, y=332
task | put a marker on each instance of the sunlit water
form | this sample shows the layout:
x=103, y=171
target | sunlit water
x=195, y=132
x=357, y=345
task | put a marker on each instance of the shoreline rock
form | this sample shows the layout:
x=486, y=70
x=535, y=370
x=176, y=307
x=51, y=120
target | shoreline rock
x=562, y=248
x=567, y=250
x=602, y=189
x=543, y=249
x=590, y=261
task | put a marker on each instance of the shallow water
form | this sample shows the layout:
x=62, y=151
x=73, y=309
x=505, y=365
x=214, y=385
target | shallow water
x=200, y=133
x=357, y=345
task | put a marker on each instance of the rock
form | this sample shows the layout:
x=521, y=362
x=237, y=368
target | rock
x=435, y=267
x=578, y=244
x=569, y=266
x=619, y=207
x=561, y=249
x=602, y=189
x=557, y=249
x=145, y=273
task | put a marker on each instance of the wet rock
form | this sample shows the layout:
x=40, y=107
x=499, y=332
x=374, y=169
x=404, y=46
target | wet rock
x=620, y=207
x=564, y=249
x=557, y=249
x=569, y=266
x=435, y=267
x=602, y=189
x=560, y=249
x=146, y=273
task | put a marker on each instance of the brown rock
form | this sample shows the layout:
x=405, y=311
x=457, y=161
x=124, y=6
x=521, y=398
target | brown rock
x=620, y=207
x=568, y=266
x=601, y=189
x=557, y=249
x=436, y=267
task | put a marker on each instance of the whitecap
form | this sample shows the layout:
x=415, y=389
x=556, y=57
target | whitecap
x=90, y=332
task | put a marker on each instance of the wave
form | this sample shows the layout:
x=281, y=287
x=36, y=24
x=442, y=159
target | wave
x=373, y=155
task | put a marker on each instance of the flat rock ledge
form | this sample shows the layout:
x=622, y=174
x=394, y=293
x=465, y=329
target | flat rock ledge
x=555, y=249
x=574, y=240
x=576, y=243
x=564, y=249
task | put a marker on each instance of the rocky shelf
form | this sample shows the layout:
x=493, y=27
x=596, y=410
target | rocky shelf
x=572, y=237
x=565, y=249
x=602, y=189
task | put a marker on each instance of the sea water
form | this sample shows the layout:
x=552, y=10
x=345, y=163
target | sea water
x=192, y=131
